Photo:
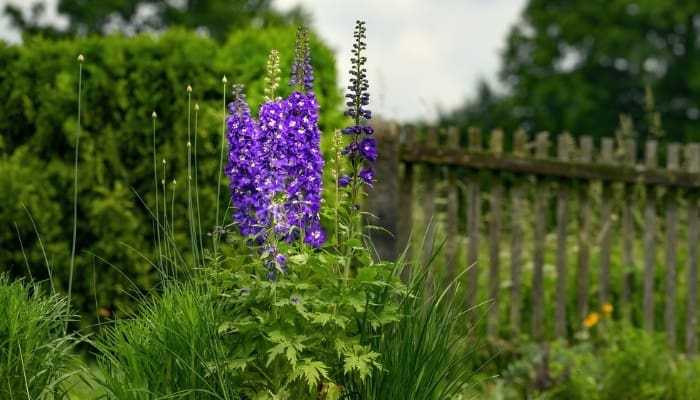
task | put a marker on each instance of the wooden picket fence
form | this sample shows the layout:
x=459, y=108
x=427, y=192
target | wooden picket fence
x=507, y=205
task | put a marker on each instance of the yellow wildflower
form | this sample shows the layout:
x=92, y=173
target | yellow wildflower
x=607, y=309
x=591, y=320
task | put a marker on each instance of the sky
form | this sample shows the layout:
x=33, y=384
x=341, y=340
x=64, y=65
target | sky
x=423, y=55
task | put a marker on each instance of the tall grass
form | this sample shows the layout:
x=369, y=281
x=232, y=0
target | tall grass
x=170, y=350
x=36, y=356
x=425, y=354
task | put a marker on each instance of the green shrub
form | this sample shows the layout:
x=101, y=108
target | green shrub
x=35, y=353
x=124, y=80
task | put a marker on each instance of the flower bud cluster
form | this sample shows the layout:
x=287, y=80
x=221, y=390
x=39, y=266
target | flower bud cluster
x=363, y=146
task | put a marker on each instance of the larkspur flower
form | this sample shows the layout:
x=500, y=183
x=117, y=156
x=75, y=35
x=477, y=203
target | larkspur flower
x=245, y=168
x=275, y=164
x=367, y=176
x=360, y=149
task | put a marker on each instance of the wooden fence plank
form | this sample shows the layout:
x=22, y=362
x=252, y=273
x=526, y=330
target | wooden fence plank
x=630, y=159
x=495, y=212
x=650, y=157
x=606, y=157
x=563, y=149
x=691, y=323
x=672, y=163
x=519, y=149
x=428, y=177
x=585, y=155
x=405, y=222
x=473, y=217
x=540, y=201
x=451, y=254
x=550, y=167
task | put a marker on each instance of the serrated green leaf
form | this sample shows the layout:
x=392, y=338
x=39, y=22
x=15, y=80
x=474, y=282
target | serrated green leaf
x=226, y=327
x=239, y=363
x=358, y=302
x=321, y=318
x=362, y=361
x=274, y=352
x=277, y=336
x=291, y=354
x=311, y=372
x=299, y=259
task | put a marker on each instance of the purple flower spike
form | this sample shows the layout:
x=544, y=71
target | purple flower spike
x=361, y=149
x=302, y=72
x=275, y=164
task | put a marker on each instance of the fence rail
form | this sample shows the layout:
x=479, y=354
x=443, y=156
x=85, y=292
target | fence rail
x=553, y=228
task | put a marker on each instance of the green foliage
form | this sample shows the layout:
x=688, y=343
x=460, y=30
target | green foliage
x=36, y=355
x=576, y=66
x=611, y=361
x=124, y=80
x=292, y=336
x=215, y=17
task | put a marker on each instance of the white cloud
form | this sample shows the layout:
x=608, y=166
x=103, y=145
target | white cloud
x=421, y=54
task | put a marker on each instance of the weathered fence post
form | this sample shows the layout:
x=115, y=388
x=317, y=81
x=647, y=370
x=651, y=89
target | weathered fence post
x=541, y=200
x=495, y=211
x=516, y=249
x=584, y=228
x=563, y=151
x=691, y=321
x=606, y=222
x=630, y=159
x=672, y=164
x=649, y=231
x=383, y=201
x=451, y=253
x=473, y=199
x=405, y=212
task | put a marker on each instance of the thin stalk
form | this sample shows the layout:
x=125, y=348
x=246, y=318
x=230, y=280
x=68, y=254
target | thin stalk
x=190, y=211
x=155, y=186
x=165, y=218
x=75, y=186
x=216, y=233
x=172, y=229
x=196, y=186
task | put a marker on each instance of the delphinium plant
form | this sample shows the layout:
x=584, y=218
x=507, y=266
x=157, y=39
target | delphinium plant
x=294, y=312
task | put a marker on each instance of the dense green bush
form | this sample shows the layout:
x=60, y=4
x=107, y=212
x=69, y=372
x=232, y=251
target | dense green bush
x=124, y=80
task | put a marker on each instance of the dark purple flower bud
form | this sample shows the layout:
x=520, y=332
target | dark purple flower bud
x=368, y=129
x=344, y=180
x=367, y=176
x=271, y=276
x=294, y=299
x=350, y=150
